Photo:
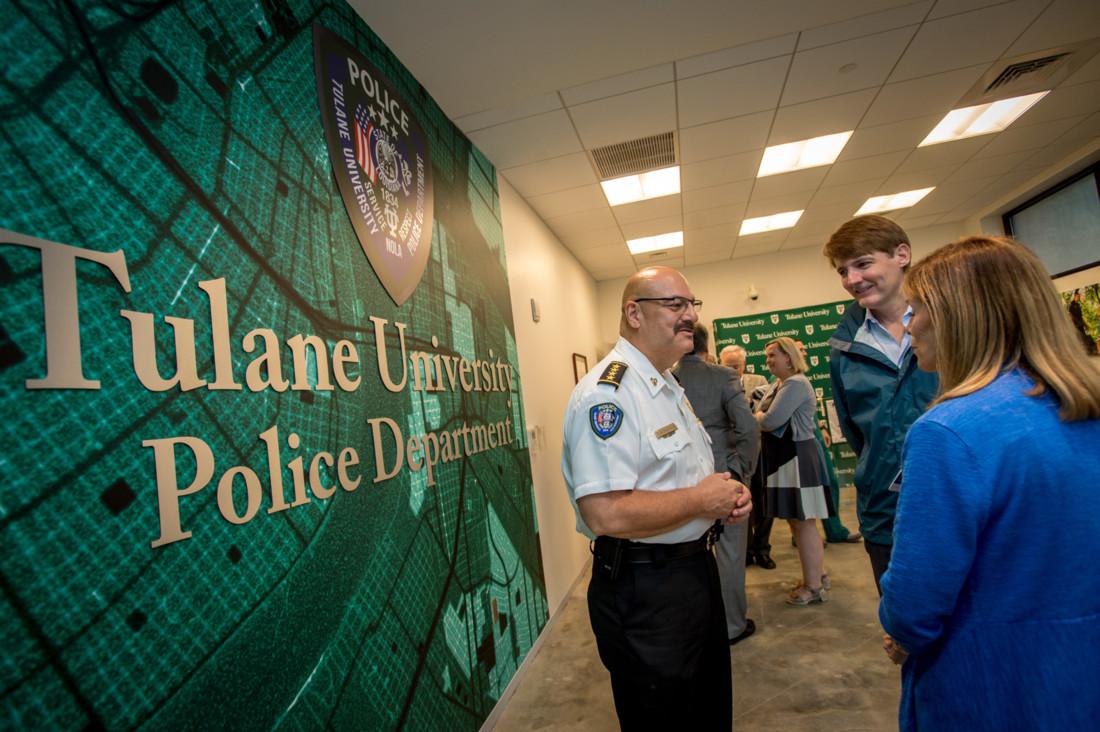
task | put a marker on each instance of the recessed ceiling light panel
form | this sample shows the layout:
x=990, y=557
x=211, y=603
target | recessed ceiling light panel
x=671, y=240
x=631, y=188
x=893, y=201
x=981, y=119
x=760, y=224
x=802, y=154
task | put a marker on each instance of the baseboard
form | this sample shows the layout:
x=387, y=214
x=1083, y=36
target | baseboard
x=517, y=677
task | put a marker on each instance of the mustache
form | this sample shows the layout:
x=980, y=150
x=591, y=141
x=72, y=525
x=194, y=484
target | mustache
x=685, y=327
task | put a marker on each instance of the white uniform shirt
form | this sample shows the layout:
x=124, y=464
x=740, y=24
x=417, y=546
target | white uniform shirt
x=634, y=455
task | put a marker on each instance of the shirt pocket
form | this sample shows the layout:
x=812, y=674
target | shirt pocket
x=667, y=447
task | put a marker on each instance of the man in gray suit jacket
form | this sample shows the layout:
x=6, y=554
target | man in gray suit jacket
x=718, y=400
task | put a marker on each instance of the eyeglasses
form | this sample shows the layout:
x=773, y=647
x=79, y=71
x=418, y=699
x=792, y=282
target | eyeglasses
x=675, y=304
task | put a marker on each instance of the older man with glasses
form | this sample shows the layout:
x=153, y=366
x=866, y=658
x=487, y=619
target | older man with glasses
x=640, y=474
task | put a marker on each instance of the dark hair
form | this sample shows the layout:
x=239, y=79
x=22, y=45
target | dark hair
x=700, y=338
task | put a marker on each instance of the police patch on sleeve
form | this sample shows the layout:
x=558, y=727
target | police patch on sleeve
x=605, y=419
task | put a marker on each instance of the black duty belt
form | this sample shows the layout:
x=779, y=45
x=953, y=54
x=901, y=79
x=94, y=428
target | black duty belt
x=634, y=552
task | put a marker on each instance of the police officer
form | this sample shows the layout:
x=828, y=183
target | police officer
x=639, y=470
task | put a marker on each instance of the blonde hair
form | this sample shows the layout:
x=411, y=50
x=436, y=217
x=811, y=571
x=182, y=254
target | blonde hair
x=793, y=352
x=993, y=306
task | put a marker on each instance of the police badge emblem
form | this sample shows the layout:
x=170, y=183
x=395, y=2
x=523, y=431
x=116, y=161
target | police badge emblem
x=605, y=419
x=380, y=159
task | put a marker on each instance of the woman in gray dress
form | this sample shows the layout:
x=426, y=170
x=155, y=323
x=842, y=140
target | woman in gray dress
x=796, y=480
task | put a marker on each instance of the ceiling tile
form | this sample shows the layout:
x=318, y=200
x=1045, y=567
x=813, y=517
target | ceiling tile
x=652, y=227
x=620, y=84
x=725, y=194
x=711, y=236
x=937, y=93
x=820, y=117
x=736, y=56
x=949, y=195
x=943, y=155
x=1089, y=72
x=571, y=200
x=706, y=256
x=1065, y=21
x=954, y=7
x=1028, y=137
x=725, y=137
x=904, y=135
x=1056, y=152
x=667, y=258
x=654, y=208
x=919, y=222
x=527, y=140
x=952, y=42
x=910, y=180
x=593, y=220
x=626, y=116
x=843, y=67
x=526, y=108
x=842, y=198
x=553, y=174
x=751, y=246
x=1065, y=101
x=864, y=25
x=742, y=166
x=731, y=92
x=788, y=183
x=612, y=255
x=778, y=204
x=580, y=239
x=712, y=217
x=875, y=167
x=991, y=166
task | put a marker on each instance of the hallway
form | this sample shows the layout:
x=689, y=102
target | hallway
x=815, y=668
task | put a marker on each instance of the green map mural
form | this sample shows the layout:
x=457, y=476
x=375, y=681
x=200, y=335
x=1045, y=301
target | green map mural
x=812, y=325
x=242, y=488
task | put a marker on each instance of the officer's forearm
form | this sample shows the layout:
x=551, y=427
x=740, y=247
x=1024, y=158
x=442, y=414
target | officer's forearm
x=636, y=514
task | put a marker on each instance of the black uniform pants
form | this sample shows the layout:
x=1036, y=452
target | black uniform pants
x=760, y=523
x=661, y=632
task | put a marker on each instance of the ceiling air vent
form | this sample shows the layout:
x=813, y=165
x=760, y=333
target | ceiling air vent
x=1029, y=73
x=635, y=156
x=1013, y=72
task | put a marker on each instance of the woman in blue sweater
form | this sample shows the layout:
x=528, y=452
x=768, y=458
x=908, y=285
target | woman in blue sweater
x=992, y=598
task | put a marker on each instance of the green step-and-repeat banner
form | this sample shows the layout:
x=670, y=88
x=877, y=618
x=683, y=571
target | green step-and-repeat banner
x=264, y=458
x=812, y=325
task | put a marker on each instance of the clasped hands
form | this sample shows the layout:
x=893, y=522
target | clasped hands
x=725, y=498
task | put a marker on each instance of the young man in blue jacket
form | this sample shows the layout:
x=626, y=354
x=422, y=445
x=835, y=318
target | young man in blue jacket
x=878, y=390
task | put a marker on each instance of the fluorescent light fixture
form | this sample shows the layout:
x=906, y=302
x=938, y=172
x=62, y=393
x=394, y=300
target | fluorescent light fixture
x=982, y=119
x=671, y=240
x=760, y=224
x=802, y=154
x=893, y=201
x=631, y=188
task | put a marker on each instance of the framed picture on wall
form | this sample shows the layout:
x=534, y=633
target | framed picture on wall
x=580, y=367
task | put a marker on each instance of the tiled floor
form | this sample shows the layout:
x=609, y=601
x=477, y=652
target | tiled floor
x=815, y=668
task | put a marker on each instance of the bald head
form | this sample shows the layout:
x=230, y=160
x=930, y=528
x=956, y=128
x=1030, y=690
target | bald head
x=652, y=282
x=644, y=282
x=657, y=315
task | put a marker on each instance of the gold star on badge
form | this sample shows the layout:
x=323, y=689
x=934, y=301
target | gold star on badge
x=653, y=380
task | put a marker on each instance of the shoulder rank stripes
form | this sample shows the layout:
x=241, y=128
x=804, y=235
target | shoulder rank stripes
x=613, y=374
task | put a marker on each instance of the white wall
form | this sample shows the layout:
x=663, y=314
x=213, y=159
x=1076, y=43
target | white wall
x=540, y=267
x=790, y=279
